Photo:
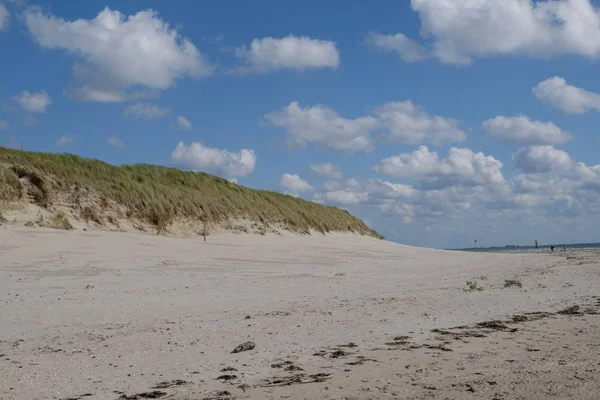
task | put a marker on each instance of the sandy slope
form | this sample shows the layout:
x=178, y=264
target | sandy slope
x=111, y=315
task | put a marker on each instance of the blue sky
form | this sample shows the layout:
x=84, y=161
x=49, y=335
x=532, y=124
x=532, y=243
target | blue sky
x=438, y=124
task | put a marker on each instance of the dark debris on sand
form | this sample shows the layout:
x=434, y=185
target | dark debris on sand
x=281, y=365
x=573, y=310
x=220, y=395
x=169, y=384
x=296, y=379
x=227, y=377
x=157, y=394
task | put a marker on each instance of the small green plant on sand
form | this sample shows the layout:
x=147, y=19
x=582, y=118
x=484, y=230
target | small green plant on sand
x=473, y=287
x=512, y=282
x=340, y=274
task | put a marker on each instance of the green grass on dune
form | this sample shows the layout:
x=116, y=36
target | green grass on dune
x=160, y=194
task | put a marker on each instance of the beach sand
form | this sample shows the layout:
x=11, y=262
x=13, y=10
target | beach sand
x=104, y=315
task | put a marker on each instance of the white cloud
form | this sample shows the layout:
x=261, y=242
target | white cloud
x=399, y=122
x=393, y=190
x=323, y=126
x=346, y=197
x=294, y=185
x=408, y=49
x=570, y=99
x=4, y=125
x=521, y=130
x=119, y=51
x=182, y=123
x=109, y=95
x=326, y=171
x=536, y=159
x=332, y=186
x=64, y=141
x=33, y=102
x=463, y=30
x=300, y=53
x=4, y=18
x=198, y=157
x=30, y=121
x=145, y=111
x=116, y=142
x=462, y=166
x=87, y=93
x=554, y=194
x=405, y=122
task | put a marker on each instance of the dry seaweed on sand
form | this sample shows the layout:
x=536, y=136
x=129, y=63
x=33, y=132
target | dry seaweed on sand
x=496, y=326
x=169, y=384
x=296, y=379
x=573, y=310
x=227, y=377
x=157, y=394
x=281, y=365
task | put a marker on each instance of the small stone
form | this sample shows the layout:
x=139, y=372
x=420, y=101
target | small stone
x=244, y=347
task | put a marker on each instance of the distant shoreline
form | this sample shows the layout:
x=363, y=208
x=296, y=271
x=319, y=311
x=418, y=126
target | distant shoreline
x=533, y=249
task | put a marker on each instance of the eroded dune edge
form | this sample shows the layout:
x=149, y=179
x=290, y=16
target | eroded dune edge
x=65, y=191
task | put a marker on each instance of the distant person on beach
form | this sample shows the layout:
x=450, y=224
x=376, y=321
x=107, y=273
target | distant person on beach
x=552, y=249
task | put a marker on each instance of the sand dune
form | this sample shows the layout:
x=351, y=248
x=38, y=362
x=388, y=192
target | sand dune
x=102, y=315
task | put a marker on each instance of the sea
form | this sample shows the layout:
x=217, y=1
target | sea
x=573, y=247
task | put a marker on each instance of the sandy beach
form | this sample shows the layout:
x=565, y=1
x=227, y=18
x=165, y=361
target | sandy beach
x=105, y=315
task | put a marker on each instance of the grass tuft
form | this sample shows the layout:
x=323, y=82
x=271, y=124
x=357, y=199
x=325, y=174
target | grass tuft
x=10, y=186
x=472, y=287
x=512, y=283
x=60, y=221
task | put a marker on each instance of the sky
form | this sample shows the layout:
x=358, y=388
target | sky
x=438, y=122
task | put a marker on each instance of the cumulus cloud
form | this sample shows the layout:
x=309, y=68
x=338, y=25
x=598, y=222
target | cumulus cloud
x=182, y=123
x=537, y=159
x=463, y=30
x=119, y=52
x=145, y=111
x=4, y=18
x=521, y=130
x=326, y=171
x=552, y=191
x=398, y=122
x=345, y=197
x=407, y=49
x=64, y=141
x=323, y=126
x=33, y=102
x=87, y=93
x=116, y=142
x=294, y=185
x=462, y=166
x=405, y=122
x=4, y=125
x=571, y=99
x=291, y=52
x=198, y=157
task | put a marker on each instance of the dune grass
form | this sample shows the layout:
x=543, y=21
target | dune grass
x=160, y=194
